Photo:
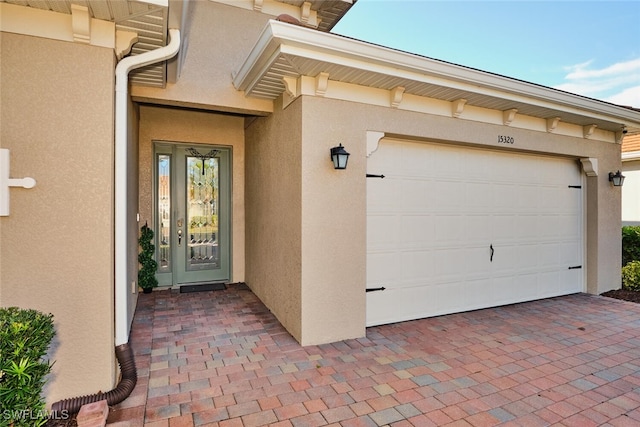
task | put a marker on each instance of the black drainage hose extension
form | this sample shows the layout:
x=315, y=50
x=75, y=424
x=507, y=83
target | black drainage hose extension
x=129, y=377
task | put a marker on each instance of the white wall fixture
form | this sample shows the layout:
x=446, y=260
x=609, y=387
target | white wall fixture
x=6, y=182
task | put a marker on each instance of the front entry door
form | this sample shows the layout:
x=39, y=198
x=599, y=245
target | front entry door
x=193, y=213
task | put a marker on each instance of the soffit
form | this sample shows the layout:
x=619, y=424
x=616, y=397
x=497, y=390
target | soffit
x=329, y=11
x=286, y=50
x=146, y=18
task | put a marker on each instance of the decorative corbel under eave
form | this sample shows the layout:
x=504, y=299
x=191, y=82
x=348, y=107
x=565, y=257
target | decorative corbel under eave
x=257, y=5
x=588, y=130
x=322, y=83
x=590, y=166
x=396, y=96
x=305, y=12
x=124, y=42
x=457, y=107
x=508, y=116
x=552, y=124
x=291, y=90
x=81, y=24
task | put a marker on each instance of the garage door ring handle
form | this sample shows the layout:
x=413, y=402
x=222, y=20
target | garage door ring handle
x=491, y=249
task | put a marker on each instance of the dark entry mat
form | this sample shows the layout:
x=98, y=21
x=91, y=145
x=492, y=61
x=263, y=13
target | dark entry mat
x=203, y=288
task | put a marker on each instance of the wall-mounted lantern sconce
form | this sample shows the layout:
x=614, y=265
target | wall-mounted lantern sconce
x=339, y=157
x=616, y=178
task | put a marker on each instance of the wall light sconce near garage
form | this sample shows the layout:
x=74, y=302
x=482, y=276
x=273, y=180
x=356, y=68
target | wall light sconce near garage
x=339, y=157
x=617, y=179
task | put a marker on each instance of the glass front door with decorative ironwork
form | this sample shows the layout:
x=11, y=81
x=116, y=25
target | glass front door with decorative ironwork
x=192, y=204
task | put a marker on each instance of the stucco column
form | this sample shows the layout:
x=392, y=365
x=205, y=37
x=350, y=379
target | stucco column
x=603, y=231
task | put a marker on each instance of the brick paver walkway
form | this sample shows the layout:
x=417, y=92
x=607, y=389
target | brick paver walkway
x=221, y=359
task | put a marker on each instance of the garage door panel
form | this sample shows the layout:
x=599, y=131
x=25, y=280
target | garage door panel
x=450, y=205
x=571, y=253
x=448, y=229
x=382, y=268
x=415, y=196
x=504, y=228
x=473, y=262
x=477, y=228
x=504, y=198
x=416, y=266
x=381, y=197
x=447, y=264
x=417, y=231
x=478, y=197
x=447, y=196
x=382, y=232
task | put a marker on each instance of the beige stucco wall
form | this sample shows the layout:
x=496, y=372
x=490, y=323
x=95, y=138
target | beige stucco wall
x=196, y=127
x=274, y=214
x=603, y=216
x=56, y=247
x=322, y=261
x=214, y=50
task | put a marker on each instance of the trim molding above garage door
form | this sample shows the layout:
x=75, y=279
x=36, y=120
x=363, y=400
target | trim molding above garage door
x=453, y=228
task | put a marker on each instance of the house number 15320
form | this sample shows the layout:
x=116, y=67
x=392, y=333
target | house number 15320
x=502, y=139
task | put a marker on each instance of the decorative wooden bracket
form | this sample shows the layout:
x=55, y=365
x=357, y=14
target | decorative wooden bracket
x=81, y=23
x=457, y=107
x=305, y=12
x=6, y=182
x=322, y=83
x=508, y=116
x=373, y=139
x=552, y=124
x=589, y=166
x=396, y=96
x=588, y=130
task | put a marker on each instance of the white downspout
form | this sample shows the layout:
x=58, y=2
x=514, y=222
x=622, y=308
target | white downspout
x=121, y=132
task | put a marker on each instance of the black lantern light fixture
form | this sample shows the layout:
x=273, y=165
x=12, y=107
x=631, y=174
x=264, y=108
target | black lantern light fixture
x=339, y=157
x=616, y=178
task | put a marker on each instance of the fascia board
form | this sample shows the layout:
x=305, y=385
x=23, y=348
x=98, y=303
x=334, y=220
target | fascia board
x=631, y=155
x=332, y=48
x=258, y=62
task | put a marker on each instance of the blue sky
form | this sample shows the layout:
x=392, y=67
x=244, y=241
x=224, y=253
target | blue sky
x=590, y=48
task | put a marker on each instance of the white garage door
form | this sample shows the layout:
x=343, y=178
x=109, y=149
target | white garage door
x=452, y=229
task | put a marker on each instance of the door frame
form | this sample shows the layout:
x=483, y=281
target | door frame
x=169, y=279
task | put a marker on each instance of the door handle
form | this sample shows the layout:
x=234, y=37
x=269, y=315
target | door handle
x=179, y=225
x=491, y=252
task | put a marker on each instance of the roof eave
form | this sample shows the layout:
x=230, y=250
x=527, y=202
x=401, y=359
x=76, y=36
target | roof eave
x=278, y=37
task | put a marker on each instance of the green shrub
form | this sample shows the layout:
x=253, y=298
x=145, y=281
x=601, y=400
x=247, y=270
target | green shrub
x=147, y=272
x=630, y=244
x=25, y=336
x=631, y=276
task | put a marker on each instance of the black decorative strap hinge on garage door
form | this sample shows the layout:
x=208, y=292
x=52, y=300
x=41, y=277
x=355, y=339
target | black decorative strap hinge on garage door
x=575, y=186
x=370, y=175
x=376, y=289
x=575, y=267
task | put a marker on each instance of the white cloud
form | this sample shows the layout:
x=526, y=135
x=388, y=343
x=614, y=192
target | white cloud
x=629, y=97
x=618, y=83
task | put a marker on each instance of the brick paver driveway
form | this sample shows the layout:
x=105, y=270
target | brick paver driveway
x=221, y=358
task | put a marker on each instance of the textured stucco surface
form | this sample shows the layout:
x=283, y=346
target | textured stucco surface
x=165, y=124
x=274, y=214
x=56, y=247
x=214, y=50
x=602, y=200
x=306, y=222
